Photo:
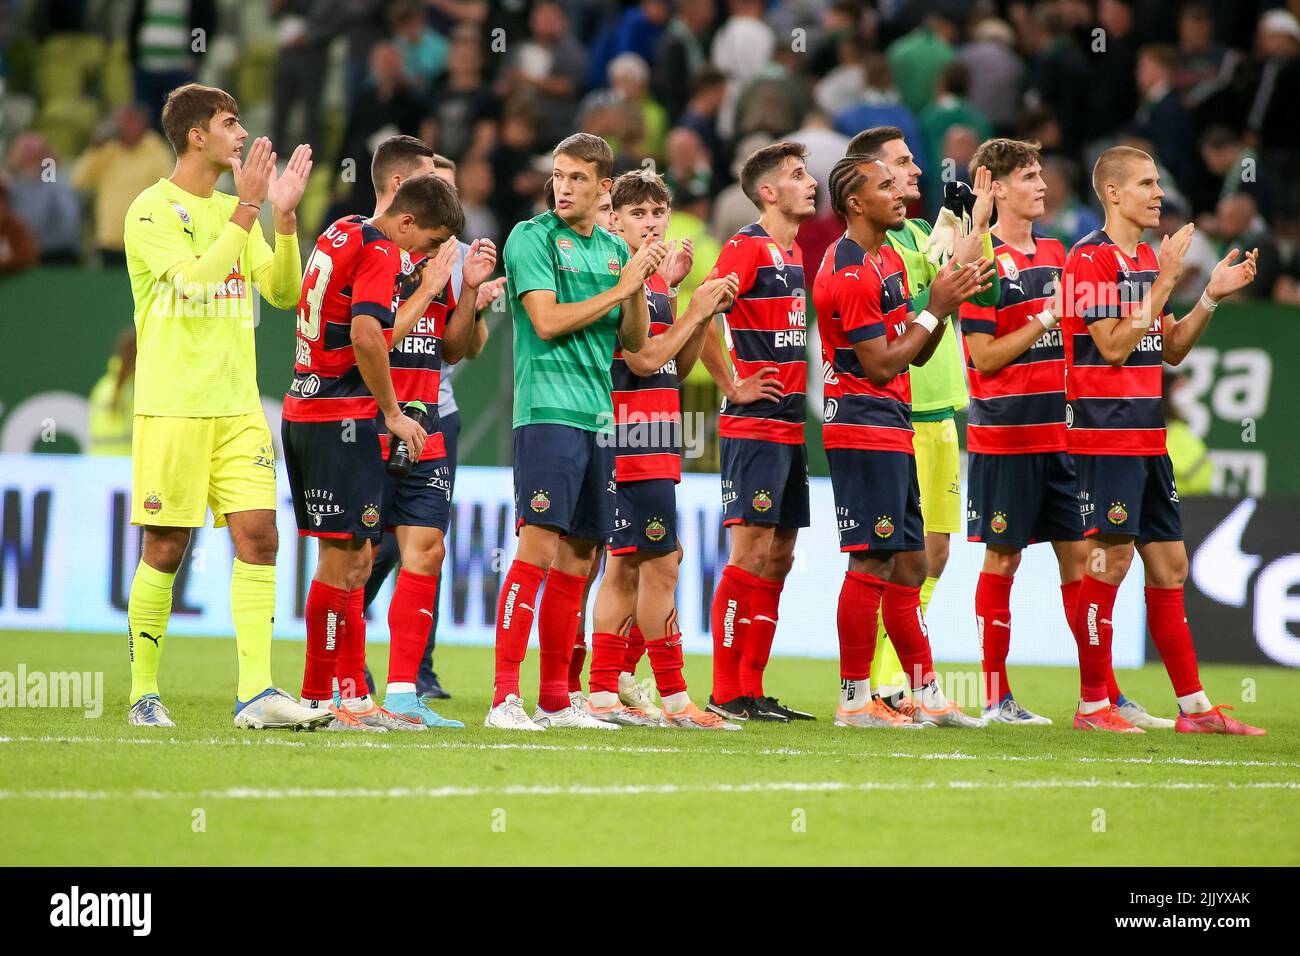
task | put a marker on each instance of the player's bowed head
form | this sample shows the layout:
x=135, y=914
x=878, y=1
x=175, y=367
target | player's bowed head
x=424, y=214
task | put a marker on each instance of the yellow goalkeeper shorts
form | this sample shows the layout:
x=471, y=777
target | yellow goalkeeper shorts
x=181, y=467
x=938, y=470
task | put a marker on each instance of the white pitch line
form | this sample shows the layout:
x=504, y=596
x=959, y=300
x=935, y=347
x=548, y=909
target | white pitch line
x=579, y=790
x=333, y=743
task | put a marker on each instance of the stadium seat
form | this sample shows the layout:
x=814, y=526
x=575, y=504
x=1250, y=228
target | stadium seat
x=256, y=73
x=116, y=85
x=67, y=123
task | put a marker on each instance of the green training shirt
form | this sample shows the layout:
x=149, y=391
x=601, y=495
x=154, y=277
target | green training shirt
x=941, y=382
x=564, y=381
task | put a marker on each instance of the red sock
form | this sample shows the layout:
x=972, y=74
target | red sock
x=1167, y=620
x=759, y=637
x=561, y=602
x=905, y=626
x=1070, y=598
x=1093, y=632
x=578, y=657
x=665, y=655
x=409, y=615
x=730, y=615
x=326, y=616
x=351, y=666
x=993, y=621
x=607, y=654
x=860, y=598
x=635, y=650
x=516, y=607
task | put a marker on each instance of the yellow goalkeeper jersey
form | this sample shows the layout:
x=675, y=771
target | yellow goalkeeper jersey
x=192, y=272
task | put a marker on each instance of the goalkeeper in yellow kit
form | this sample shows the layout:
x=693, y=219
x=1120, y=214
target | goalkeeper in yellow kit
x=200, y=438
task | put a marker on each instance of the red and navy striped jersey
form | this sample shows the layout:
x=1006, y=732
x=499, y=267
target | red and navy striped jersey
x=1109, y=410
x=767, y=324
x=1019, y=409
x=352, y=271
x=416, y=362
x=857, y=299
x=648, y=410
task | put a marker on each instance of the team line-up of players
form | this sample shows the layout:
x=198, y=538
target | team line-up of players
x=1063, y=356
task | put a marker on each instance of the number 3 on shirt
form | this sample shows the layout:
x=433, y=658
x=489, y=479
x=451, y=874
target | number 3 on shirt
x=317, y=280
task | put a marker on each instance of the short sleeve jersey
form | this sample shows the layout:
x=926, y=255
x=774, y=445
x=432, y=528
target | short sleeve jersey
x=1020, y=408
x=767, y=324
x=1109, y=410
x=565, y=380
x=352, y=271
x=857, y=299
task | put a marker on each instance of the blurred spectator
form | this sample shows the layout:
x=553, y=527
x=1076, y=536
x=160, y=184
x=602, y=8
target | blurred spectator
x=125, y=159
x=18, y=250
x=1235, y=167
x=1111, y=96
x=1161, y=117
x=825, y=146
x=1058, y=73
x=689, y=168
x=918, y=58
x=732, y=208
x=1205, y=66
x=995, y=73
x=629, y=82
x=304, y=29
x=742, y=47
x=1064, y=216
x=42, y=198
x=1237, y=224
x=112, y=401
x=840, y=22
x=516, y=184
x=637, y=31
x=689, y=220
x=364, y=26
x=708, y=90
x=949, y=107
x=776, y=98
x=551, y=65
x=164, y=38
x=1201, y=256
x=475, y=185
x=424, y=50
x=880, y=106
x=842, y=86
x=682, y=54
x=1041, y=125
x=462, y=106
x=1193, y=470
x=1270, y=106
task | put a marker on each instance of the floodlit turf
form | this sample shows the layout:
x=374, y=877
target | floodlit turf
x=95, y=791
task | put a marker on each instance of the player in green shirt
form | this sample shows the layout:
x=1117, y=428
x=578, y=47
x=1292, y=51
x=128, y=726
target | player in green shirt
x=939, y=386
x=573, y=290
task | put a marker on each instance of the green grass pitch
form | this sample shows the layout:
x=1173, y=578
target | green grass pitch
x=78, y=791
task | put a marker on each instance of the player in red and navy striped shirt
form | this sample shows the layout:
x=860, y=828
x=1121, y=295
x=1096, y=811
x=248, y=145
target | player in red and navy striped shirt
x=1118, y=330
x=764, y=462
x=1022, y=483
x=869, y=339
x=640, y=581
x=341, y=379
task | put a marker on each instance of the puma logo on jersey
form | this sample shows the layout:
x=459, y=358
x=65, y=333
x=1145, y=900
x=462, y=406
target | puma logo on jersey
x=850, y=272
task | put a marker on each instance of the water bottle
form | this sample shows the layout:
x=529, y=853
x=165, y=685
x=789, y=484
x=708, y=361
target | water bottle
x=399, y=456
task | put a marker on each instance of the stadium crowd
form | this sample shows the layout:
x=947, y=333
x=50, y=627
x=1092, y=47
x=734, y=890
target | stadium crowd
x=1202, y=86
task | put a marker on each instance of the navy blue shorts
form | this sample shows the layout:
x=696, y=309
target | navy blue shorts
x=764, y=483
x=1130, y=495
x=420, y=500
x=1018, y=500
x=336, y=477
x=564, y=479
x=645, y=517
x=877, y=500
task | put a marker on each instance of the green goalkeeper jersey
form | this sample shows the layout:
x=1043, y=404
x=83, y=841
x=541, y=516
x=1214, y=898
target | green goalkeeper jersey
x=940, y=383
x=564, y=381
